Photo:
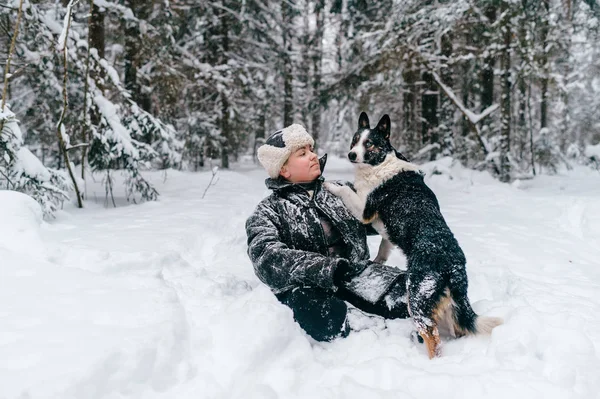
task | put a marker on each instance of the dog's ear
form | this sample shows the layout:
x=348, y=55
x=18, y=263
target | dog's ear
x=384, y=126
x=363, y=121
x=399, y=155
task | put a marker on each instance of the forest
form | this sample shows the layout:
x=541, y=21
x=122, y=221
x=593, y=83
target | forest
x=101, y=87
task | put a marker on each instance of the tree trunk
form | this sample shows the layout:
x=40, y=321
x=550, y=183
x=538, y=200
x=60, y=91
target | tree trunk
x=429, y=127
x=60, y=129
x=531, y=148
x=288, y=95
x=8, y=59
x=305, y=94
x=259, y=134
x=545, y=69
x=97, y=30
x=317, y=67
x=225, y=133
x=505, y=104
x=566, y=68
x=487, y=74
x=467, y=89
x=96, y=41
x=446, y=126
x=133, y=52
x=409, y=106
x=521, y=123
x=226, y=141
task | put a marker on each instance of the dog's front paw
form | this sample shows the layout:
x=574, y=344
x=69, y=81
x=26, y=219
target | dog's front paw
x=333, y=188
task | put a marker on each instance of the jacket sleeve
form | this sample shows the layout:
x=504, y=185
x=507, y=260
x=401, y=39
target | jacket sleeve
x=279, y=266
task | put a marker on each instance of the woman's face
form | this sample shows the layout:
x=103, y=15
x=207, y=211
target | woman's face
x=302, y=166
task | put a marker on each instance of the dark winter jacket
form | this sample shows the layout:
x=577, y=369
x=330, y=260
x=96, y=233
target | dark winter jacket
x=286, y=241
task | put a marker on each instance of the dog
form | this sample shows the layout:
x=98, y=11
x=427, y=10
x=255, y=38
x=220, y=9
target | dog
x=392, y=196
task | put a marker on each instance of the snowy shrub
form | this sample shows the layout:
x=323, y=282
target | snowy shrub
x=113, y=148
x=21, y=170
x=148, y=129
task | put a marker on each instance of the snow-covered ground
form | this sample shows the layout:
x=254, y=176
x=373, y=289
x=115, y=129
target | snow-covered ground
x=159, y=300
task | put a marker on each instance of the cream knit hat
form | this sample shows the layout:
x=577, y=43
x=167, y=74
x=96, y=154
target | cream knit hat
x=278, y=148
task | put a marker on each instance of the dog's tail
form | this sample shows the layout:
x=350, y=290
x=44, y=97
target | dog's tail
x=485, y=324
x=466, y=321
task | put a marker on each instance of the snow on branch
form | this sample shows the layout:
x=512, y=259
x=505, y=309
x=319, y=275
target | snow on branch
x=66, y=22
x=470, y=115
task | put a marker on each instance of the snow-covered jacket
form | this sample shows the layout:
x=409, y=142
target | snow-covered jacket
x=286, y=241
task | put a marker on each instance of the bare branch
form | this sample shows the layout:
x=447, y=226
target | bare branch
x=472, y=118
x=80, y=145
x=17, y=73
x=210, y=183
x=60, y=127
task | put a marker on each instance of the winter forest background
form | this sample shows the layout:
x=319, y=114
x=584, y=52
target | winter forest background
x=508, y=86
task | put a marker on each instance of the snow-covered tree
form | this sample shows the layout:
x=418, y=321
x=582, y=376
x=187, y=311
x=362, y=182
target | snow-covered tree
x=21, y=170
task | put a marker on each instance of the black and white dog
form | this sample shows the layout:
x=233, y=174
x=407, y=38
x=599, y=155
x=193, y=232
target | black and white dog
x=392, y=195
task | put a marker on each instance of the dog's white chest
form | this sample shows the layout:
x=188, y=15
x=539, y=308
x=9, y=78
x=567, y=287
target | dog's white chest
x=368, y=178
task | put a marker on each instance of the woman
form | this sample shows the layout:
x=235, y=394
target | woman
x=308, y=248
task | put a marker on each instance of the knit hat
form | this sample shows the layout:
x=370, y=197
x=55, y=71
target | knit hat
x=278, y=148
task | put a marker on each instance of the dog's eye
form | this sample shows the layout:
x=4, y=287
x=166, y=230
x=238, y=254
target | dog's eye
x=369, y=144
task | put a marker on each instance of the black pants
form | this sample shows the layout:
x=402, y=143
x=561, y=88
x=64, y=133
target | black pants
x=322, y=314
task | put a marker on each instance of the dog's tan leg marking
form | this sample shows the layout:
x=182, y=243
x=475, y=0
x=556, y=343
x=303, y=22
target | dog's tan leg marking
x=443, y=314
x=431, y=337
x=441, y=317
x=371, y=219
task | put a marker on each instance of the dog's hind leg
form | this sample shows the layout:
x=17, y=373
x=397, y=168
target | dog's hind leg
x=385, y=248
x=425, y=293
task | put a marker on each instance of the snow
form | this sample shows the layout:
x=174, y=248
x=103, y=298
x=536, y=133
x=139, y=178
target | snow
x=11, y=124
x=31, y=165
x=23, y=217
x=592, y=151
x=159, y=300
x=111, y=72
